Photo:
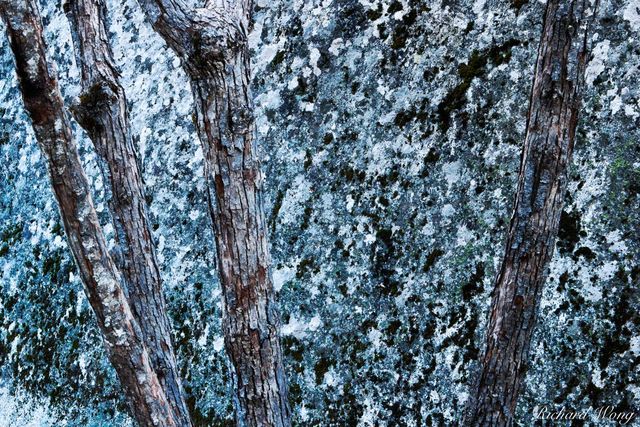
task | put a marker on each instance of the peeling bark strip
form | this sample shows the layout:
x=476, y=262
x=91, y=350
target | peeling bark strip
x=212, y=43
x=551, y=127
x=101, y=279
x=103, y=113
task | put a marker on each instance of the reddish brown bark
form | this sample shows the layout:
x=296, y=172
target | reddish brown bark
x=542, y=182
x=101, y=279
x=212, y=43
x=103, y=113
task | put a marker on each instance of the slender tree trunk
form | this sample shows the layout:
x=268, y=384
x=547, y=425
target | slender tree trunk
x=551, y=127
x=103, y=113
x=212, y=43
x=100, y=277
x=250, y=321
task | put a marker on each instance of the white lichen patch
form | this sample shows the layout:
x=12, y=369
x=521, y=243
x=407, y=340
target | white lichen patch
x=631, y=14
x=598, y=62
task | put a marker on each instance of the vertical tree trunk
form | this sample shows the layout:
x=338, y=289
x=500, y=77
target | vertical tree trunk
x=551, y=127
x=250, y=322
x=103, y=113
x=212, y=42
x=100, y=277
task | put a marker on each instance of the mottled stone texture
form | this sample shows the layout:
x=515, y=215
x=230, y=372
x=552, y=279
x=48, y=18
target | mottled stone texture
x=391, y=134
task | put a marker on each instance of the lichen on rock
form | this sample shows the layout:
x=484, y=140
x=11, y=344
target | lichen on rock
x=391, y=134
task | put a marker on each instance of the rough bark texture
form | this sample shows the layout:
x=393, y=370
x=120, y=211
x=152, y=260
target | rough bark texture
x=101, y=278
x=212, y=42
x=551, y=127
x=103, y=113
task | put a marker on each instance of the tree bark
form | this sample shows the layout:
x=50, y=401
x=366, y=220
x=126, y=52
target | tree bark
x=551, y=127
x=100, y=277
x=212, y=43
x=103, y=113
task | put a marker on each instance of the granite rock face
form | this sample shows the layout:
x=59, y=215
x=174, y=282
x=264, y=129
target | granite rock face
x=391, y=133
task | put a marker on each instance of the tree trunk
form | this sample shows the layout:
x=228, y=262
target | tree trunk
x=103, y=113
x=212, y=44
x=100, y=277
x=551, y=127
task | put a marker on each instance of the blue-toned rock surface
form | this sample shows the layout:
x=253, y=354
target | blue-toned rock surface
x=391, y=133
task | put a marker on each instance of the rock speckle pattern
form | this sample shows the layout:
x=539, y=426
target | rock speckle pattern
x=391, y=133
